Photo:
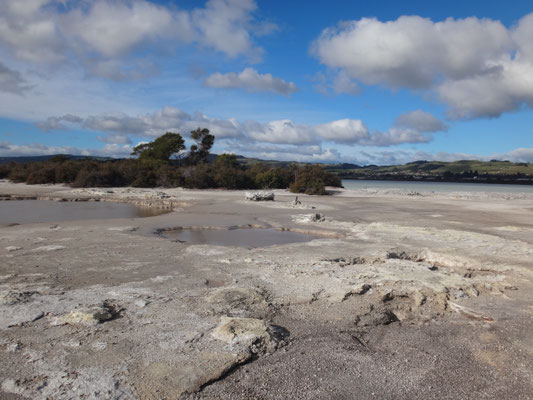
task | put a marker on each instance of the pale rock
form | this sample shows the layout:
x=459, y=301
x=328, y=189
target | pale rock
x=255, y=334
x=259, y=196
x=13, y=248
x=86, y=316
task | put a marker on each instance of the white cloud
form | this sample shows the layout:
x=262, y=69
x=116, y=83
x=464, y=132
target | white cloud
x=8, y=149
x=420, y=121
x=12, y=81
x=225, y=24
x=250, y=80
x=478, y=67
x=344, y=131
x=120, y=126
x=280, y=131
x=517, y=155
x=269, y=151
x=102, y=35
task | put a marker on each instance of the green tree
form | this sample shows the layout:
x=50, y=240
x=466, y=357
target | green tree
x=199, y=152
x=161, y=148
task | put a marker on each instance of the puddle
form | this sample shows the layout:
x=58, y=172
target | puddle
x=240, y=237
x=32, y=211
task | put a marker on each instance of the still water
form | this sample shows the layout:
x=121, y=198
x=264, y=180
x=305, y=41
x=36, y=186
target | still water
x=31, y=211
x=439, y=187
x=245, y=237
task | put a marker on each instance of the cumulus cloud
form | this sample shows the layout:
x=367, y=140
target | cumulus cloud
x=102, y=35
x=12, y=81
x=250, y=80
x=478, y=67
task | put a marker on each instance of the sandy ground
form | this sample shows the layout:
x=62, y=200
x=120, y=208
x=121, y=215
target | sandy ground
x=397, y=296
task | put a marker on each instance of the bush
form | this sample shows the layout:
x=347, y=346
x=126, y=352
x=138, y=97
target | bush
x=274, y=178
x=45, y=174
x=99, y=175
x=198, y=176
x=313, y=179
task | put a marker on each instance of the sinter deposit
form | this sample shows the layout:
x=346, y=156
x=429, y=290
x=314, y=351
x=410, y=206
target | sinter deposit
x=390, y=296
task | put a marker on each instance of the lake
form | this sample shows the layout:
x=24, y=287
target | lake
x=439, y=187
x=32, y=211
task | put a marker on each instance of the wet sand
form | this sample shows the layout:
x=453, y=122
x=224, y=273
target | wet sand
x=398, y=296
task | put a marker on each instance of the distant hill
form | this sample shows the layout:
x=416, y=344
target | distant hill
x=494, y=171
x=27, y=159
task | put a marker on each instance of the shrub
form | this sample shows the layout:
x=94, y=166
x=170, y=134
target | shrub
x=45, y=174
x=312, y=180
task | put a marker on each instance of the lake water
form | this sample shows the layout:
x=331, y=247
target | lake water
x=31, y=211
x=241, y=237
x=439, y=187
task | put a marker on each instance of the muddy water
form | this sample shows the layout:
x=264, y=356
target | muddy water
x=32, y=211
x=245, y=237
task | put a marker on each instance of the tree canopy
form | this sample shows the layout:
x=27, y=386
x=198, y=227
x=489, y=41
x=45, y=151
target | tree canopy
x=199, y=152
x=161, y=148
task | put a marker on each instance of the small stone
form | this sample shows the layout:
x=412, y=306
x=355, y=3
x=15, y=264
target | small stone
x=99, y=345
x=13, y=248
x=12, y=347
x=318, y=217
x=141, y=303
x=49, y=248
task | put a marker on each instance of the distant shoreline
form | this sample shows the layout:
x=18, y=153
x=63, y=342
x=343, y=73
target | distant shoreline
x=490, y=181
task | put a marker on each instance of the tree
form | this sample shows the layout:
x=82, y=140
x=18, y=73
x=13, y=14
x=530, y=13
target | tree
x=199, y=152
x=161, y=148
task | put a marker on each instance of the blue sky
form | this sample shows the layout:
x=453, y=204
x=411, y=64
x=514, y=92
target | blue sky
x=365, y=82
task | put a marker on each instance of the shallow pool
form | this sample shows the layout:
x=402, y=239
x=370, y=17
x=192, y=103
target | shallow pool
x=241, y=237
x=32, y=211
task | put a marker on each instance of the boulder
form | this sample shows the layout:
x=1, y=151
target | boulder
x=259, y=196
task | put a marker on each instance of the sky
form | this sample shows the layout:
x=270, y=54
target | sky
x=382, y=82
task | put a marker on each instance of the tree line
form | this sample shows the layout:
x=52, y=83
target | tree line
x=165, y=162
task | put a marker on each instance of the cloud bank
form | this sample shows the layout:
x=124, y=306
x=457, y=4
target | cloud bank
x=415, y=127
